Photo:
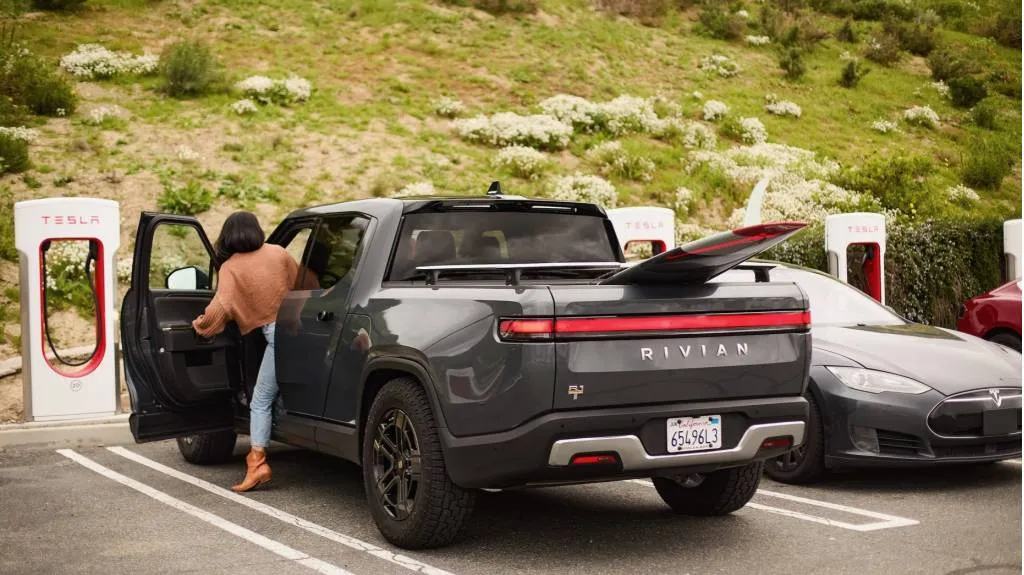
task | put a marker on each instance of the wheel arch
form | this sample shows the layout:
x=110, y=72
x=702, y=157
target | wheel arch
x=378, y=372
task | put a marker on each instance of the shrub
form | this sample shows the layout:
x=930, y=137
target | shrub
x=7, y=249
x=189, y=69
x=919, y=37
x=897, y=182
x=264, y=90
x=646, y=11
x=792, y=63
x=719, y=23
x=585, y=188
x=507, y=128
x=615, y=160
x=30, y=84
x=852, y=73
x=986, y=164
x=57, y=5
x=1005, y=26
x=985, y=115
x=847, y=33
x=190, y=200
x=50, y=95
x=922, y=116
x=13, y=154
x=966, y=91
x=745, y=130
x=89, y=61
x=884, y=50
x=499, y=7
x=522, y=161
x=931, y=266
x=947, y=63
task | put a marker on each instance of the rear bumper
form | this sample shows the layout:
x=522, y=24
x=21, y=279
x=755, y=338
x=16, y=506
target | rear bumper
x=539, y=451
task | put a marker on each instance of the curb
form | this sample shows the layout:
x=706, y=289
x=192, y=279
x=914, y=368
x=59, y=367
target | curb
x=75, y=432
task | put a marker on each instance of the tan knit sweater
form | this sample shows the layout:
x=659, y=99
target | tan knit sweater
x=250, y=288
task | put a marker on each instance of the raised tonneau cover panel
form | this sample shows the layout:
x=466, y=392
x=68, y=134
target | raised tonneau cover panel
x=662, y=299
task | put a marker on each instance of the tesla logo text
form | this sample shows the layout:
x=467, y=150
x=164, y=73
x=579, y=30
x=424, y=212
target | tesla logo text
x=70, y=220
x=645, y=225
x=647, y=353
x=575, y=391
x=864, y=229
x=995, y=397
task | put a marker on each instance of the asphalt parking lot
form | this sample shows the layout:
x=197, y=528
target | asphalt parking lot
x=142, y=509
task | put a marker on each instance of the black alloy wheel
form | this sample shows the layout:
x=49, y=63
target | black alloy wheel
x=397, y=468
x=805, y=463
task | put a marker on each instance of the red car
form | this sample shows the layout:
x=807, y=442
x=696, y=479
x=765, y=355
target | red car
x=994, y=315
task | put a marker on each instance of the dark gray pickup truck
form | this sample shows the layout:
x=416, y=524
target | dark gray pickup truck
x=449, y=345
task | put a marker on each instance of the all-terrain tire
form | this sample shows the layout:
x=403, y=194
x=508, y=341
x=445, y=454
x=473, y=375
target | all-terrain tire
x=720, y=493
x=208, y=448
x=440, y=508
x=810, y=466
x=1006, y=338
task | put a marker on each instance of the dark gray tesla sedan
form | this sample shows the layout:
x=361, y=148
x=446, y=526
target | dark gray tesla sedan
x=885, y=391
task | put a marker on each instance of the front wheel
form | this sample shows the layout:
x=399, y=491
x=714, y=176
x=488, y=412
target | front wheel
x=413, y=501
x=806, y=463
x=709, y=494
x=208, y=448
x=1006, y=338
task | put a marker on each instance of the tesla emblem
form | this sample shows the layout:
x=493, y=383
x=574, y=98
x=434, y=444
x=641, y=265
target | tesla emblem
x=995, y=397
x=575, y=391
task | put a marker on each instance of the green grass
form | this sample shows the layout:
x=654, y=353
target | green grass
x=376, y=67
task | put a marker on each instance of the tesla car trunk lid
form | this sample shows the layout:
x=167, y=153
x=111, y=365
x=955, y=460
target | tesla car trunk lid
x=641, y=344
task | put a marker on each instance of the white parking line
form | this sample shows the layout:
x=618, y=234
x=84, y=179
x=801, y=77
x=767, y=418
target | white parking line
x=316, y=529
x=885, y=521
x=233, y=528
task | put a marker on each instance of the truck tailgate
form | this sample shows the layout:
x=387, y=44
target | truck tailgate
x=642, y=344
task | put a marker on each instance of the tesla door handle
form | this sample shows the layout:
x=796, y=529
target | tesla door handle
x=324, y=315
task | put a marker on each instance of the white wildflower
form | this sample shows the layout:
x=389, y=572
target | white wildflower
x=186, y=154
x=627, y=114
x=697, y=135
x=697, y=94
x=782, y=107
x=422, y=188
x=448, y=107
x=99, y=114
x=508, y=128
x=721, y=65
x=298, y=89
x=61, y=112
x=22, y=133
x=921, y=116
x=941, y=87
x=689, y=231
x=613, y=158
x=256, y=86
x=124, y=270
x=963, y=194
x=748, y=164
x=578, y=112
x=714, y=110
x=743, y=14
x=524, y=161
x=89, y=61
x=585, y=188
x=683, y=198
x=244, y=106
x=884, y=126
x=758, y=40
x=753, y=131
x=266, y=90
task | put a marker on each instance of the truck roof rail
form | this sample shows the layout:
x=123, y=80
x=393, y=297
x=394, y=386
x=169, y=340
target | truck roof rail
x=513, y=272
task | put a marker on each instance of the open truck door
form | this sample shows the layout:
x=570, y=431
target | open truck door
x=179, y=383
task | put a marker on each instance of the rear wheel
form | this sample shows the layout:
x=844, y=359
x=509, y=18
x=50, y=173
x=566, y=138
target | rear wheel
x=805, y=464
x=1006, y=338
x=208, y=448
x=716, y=493
x=413, y=501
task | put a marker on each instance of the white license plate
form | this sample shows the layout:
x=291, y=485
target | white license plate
x=693, y=433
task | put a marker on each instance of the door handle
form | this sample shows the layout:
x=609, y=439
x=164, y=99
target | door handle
x=324, y=315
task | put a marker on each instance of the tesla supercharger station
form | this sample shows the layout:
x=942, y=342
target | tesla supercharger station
x=56, y=388
x=1011, y=249
x=648, y=224
x=858, y=229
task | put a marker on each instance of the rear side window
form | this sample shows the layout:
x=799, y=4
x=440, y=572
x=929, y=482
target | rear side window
x=462, y=238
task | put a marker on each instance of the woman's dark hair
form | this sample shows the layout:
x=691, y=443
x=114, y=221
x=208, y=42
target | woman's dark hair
x=241, y=233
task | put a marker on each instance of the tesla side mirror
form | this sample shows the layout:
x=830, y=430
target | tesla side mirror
x=188, y=278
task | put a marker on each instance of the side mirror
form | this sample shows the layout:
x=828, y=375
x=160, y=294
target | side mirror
x=188, y=278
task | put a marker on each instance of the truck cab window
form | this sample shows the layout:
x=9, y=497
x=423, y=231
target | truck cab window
x=335, y=250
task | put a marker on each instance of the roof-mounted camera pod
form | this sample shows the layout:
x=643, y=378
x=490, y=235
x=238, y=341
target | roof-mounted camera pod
x=858, y=229
x=55, y=386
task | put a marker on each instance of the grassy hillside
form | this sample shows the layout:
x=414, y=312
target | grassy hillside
x=392, y=80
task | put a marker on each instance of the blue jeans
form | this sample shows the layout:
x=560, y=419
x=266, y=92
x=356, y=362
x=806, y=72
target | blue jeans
x=264, y=394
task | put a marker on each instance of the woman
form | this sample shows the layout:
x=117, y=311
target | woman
x=253, y=279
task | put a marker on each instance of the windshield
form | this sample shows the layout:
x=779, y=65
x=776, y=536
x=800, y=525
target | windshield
x=478, y=237
x=832, y=302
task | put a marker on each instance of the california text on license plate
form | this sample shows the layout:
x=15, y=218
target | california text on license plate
x=694, y=433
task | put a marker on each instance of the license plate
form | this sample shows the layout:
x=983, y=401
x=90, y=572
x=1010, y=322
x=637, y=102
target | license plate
x=693, y=433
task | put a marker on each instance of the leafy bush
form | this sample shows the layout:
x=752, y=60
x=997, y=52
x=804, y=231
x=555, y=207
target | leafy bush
x=966, y=91
x=646, y=11
x=898, y=182
x=985, y=115
x=869, y=9
x=57, y=5
x=792, y=63
x=931, y=266
x=13, y=154
x=190, y=200
x=986, y=164
x=189, y=69
x=852, y=73
x=7, y=249
x=847, y=33
x=499, y=7
x=1004, y=26
x=947, y=63
x=884, y=50
x=919, y=37
x=720, y=24
x=28, y=83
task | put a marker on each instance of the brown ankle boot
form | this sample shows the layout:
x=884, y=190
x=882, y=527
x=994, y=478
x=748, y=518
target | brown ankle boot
x=257, y=471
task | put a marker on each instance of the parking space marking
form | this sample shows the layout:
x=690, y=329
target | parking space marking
x=271, y=545
x=314, y=528
x=884, y=521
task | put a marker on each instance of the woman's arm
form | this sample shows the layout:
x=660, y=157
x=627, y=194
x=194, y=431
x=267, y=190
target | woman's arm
x=216, y=316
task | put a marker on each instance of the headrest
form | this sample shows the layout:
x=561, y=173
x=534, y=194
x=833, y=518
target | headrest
x=434, y=247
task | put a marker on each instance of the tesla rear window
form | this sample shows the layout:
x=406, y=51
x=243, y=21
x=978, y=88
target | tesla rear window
x=459, y=238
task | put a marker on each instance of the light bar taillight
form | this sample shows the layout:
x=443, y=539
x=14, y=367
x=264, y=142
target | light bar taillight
x=547, y=329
